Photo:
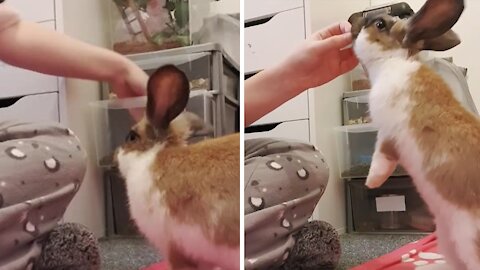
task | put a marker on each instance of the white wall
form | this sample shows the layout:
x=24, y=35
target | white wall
x=328, y=112
x=225, y=6
x=86, y=20
x=466, y=54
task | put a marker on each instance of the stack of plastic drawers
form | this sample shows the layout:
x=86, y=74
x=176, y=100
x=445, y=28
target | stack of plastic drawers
x=395, y=207
x=214, y=97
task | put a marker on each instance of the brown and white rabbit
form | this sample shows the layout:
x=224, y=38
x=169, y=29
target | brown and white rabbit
x=421, y=126
x=184, y=198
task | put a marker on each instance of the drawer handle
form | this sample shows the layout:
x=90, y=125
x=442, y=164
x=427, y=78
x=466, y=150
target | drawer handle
x=261, y=128
x=258, y=22
x=4, y=103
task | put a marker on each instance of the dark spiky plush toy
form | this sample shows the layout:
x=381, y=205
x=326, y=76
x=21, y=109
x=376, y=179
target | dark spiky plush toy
x=317, y=247
x=70, y=246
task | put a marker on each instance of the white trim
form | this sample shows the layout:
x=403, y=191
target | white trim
x=311, y=96
x=59, y=16
x=308, y=17
x=311, y=117
x=62, y=96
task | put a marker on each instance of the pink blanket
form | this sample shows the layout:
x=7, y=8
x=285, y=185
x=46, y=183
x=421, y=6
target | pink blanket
x=408, y=257
x=157, y=266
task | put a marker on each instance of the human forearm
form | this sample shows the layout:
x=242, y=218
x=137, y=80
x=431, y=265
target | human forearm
x=30, y=46
x=267, y=90
x=318, y=60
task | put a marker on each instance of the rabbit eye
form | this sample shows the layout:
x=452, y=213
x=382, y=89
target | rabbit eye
x=132, y=136
x=380, y=24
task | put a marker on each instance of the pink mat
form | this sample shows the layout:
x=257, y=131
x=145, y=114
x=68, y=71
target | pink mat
x=408, y=257
x=157, y=266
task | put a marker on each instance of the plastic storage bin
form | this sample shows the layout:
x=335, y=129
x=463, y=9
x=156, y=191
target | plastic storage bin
x=359, y=79
x=394, y=207
x=205, y=65
x=214, y=84
x=195, y=65
x=113, y=119
x=224, y=30
x=151, y=25
x=355, y=147
x=355, y=108
x=232, y=118
x=454, y=76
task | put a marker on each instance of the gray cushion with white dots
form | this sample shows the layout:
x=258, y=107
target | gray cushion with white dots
x=41, y=169
x=283, y=182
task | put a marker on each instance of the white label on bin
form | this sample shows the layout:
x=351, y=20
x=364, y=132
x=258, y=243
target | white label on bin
x=391, y=204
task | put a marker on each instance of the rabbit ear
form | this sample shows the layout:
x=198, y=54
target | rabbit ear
x=168, y=92
x=357, y=21
x=444, y=42
x=434, y=19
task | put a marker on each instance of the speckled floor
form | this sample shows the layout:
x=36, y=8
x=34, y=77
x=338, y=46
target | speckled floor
x=133, y=254
x=360, y=248
x=127, y=254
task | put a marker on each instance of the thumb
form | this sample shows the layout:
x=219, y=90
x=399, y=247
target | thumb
x=337, y=42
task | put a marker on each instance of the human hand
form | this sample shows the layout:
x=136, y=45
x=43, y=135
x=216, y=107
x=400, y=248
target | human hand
x=131, y=82
x=321, y=58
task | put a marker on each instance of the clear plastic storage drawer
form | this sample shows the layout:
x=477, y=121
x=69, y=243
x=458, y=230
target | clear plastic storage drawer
x=394, y=207
x=355, y=108
x=113, y=119
x=355, y=147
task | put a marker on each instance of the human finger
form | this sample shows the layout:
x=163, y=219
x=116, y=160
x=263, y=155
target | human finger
x=332, y=30
x=336, y=42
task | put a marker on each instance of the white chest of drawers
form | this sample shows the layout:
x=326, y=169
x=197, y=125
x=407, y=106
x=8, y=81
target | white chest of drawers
x=26, y=95
x=273, y=29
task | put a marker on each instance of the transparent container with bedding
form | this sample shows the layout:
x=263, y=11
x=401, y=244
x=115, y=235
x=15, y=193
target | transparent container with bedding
x=113, y=119
x=359, y=78
x=395, y=207
x=355, y=108
x=355, y=147
x=151, y=25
